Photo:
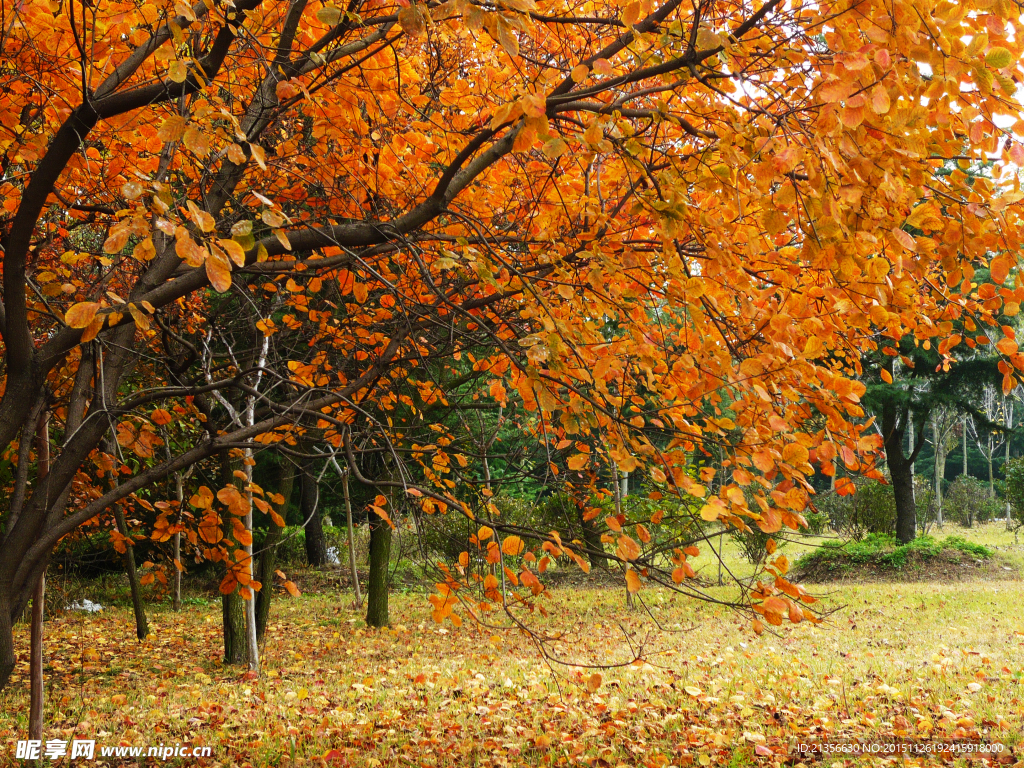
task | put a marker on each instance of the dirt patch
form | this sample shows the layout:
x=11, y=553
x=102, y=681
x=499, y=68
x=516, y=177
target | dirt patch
x=949, y=565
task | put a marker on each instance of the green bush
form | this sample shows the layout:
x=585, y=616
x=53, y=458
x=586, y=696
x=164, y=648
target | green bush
x=885, y=550
x=292, y=548
x=1015, y=489
x=872, y=509
x=967, y=502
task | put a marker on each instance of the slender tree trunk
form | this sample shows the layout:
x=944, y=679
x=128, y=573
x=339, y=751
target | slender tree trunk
x=379, y=576
x=351, y=541
x=940, y=466
x=251, y=641
x=268, y=557
x=617, y=489
x=179, y=493
x=910, y=437
x=1006, y=460
x=964, y=443
x=139, y=608
x=991, y=476
x=35, y=717
x=141, y=625
x=316, y=542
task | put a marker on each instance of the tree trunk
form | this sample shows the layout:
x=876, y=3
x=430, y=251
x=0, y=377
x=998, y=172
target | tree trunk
x=377, y=585
x=35, y=717
x=316, y=542
x=234, y=628
x=1006, y=460
x=900, y=471
x=179, y=493
x=232, y=610
x=267, y=562
x=592, y=537
x=940, y=468
x=964, y=443
x=141, y=625
x=991, y=477
x=351, y=539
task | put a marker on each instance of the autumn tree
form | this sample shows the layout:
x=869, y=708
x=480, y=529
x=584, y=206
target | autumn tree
x=726, y=183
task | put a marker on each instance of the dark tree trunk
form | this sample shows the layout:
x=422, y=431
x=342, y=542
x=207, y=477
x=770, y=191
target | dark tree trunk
x=234, y=628
x=377, y=585
x=592, y=537
x=894, y=425
x=267, y=562
x=316, y=542
x=141, y=625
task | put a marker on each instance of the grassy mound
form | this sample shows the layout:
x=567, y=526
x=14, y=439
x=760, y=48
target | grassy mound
x=882, y=557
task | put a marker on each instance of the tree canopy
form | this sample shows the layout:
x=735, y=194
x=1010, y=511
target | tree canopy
x=663, y=228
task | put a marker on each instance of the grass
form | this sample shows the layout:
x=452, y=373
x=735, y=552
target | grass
x=706, y=690
x=681, y=682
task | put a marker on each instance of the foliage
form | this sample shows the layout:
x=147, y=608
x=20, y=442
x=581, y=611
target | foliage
x=641, y=232
x=967, y=501
x=1015, y=488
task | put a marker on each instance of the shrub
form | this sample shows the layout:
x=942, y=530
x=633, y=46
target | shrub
x=872, y=509
x=967, y=502
x=1015, y=489
x=885, y=550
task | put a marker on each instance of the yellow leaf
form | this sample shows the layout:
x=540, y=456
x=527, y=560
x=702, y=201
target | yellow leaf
x=178, y=71
x=998, y=58
x=81, y=314
x=709, y=512
x=234, y=251
x=329, y=15
x=484, y=533
x=512, y=546
x=507, y=38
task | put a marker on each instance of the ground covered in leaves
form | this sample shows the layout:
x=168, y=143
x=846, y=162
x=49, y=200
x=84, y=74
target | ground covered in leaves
x=916, y=660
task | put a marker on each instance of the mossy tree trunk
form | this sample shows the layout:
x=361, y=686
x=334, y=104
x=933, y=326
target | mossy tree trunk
x=232, y=610
x=379, y=577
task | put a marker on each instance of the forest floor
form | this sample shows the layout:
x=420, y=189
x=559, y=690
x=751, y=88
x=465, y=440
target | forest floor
x=924, y=662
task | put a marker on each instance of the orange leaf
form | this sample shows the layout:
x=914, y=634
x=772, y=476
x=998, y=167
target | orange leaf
x=628, y=549
x=632, y=581
x=81, y=314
